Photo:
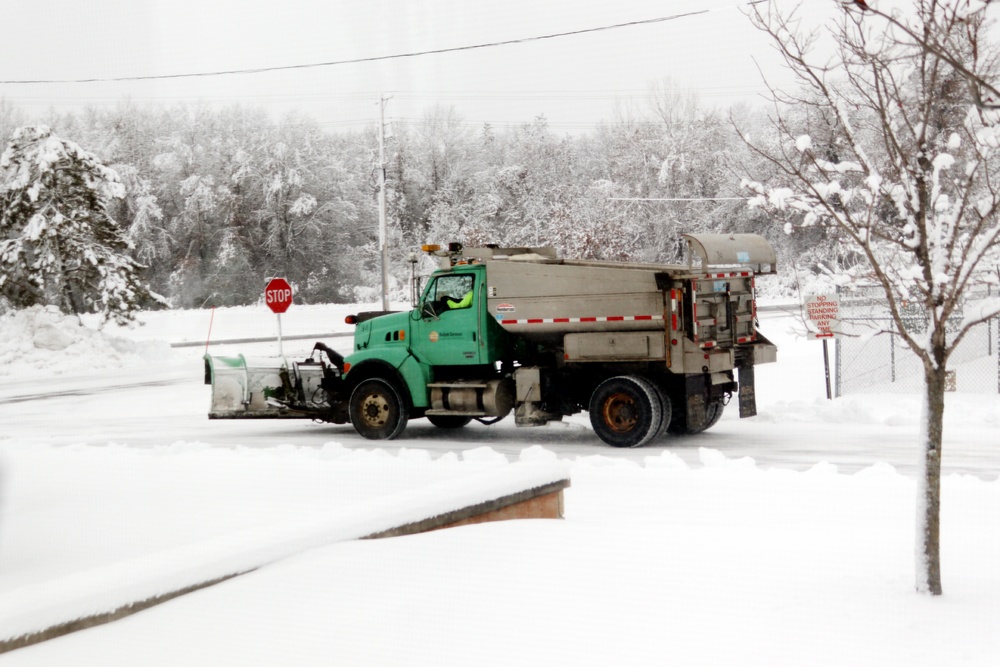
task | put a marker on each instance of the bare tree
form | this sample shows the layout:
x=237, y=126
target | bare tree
x=982, y=91
x=901, y=164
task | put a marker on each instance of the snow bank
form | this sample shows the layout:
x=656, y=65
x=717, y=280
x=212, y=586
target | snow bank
x=894, y=410
x=43, y=340
x=152, y=553
x=668, y=556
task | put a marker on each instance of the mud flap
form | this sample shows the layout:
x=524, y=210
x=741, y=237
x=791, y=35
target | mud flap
x=696, y=388
x=748, y=397
x=696, y=416
x=245, y=388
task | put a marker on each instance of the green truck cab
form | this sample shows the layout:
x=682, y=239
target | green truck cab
x=401, y=361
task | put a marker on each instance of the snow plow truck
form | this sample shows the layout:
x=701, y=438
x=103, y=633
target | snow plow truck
x=646, y=349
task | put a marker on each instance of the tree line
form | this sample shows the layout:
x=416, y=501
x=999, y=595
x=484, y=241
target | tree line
x=216, y=200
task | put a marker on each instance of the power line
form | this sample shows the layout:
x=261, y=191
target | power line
x=409, y=95
x=678, y=198
x=352, y=61
x=467, y=95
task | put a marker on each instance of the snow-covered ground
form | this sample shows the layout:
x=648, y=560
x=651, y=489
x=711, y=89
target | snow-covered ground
x=688, y=552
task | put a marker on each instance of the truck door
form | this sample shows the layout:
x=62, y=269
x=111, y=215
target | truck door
x=448, y=332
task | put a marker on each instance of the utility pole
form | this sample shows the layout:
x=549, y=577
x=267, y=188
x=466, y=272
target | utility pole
x=383, y=231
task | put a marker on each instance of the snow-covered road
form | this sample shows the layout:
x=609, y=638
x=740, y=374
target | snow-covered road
x=166, y=403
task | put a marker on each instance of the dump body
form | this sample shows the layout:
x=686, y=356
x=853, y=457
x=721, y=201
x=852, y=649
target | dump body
x=647, y=349
x=673, y=312
x=545, y=298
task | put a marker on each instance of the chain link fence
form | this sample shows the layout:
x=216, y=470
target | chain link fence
x=869, y=359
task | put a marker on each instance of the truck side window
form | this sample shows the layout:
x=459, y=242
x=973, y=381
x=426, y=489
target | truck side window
x=451, y=292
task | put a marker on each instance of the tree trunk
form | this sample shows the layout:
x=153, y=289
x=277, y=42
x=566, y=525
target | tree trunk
x=56, y=290
x=928, y=546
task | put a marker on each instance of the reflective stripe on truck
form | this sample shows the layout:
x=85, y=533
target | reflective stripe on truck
x=576, y=320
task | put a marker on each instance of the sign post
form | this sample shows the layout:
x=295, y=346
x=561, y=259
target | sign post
x=278, y=297
x=823, y=310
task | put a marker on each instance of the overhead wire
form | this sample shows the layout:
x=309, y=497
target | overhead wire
x=368, y=59
x=512, y=95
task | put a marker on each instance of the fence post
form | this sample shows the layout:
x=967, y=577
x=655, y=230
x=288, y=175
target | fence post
x=989, y=338
x=892, y=354
x=836, y=361
x=836, y=352
x=826, y=369
x=989, y=326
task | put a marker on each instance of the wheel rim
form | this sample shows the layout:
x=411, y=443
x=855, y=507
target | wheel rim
x=620, y=412
x=374, y=410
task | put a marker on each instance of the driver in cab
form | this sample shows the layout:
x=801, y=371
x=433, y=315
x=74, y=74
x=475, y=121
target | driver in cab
x=464, y=302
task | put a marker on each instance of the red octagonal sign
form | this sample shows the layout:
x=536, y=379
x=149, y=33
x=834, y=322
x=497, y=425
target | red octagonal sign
x=278, y=295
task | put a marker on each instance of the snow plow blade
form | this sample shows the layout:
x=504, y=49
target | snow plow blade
x=250, y=387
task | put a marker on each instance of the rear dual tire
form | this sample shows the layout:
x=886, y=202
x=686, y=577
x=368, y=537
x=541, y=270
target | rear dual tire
x=628, y=411
x=679, y=421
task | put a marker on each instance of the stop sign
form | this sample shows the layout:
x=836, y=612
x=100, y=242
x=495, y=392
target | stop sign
x=278, y=295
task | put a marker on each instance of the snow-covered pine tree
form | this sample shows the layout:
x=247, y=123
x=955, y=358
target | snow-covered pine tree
x=58, y=244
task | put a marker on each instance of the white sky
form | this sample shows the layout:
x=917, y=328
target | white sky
x=575, y=81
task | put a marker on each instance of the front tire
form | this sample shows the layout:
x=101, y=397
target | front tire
x=626, y=411
x=378, y=411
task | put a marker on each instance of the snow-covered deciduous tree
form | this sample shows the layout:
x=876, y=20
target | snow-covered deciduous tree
x=10, y=119
x=598, y=227
x=902, y=164
x=58, y=244
x=141, y=208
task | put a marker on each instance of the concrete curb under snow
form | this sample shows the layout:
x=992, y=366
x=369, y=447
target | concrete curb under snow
x=40, y=612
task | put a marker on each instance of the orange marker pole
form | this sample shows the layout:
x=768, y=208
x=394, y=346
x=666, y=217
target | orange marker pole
x=210, y=320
